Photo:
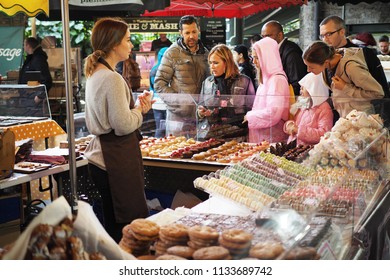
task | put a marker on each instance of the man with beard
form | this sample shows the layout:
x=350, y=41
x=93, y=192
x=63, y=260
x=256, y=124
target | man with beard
x=183, y=68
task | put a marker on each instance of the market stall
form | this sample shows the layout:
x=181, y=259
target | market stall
x=334, y=195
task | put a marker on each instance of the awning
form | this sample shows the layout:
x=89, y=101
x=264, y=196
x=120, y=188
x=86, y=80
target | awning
x=91, y=10
x=29, y=7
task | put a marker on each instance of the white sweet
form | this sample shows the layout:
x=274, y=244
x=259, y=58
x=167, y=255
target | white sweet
x=341, y=125
x=353, y=115
x=376, y=121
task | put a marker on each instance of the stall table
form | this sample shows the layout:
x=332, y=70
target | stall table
x=46, y=134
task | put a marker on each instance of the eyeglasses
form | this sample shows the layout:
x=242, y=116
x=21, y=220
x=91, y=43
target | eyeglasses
x=327, y=35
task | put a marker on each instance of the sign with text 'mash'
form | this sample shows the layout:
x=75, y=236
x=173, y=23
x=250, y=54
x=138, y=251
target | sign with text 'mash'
x=153, y=25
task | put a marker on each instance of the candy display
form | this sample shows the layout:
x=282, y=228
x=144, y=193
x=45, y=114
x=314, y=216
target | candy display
x=357, y=141
x=255, y=182
x=332, y=192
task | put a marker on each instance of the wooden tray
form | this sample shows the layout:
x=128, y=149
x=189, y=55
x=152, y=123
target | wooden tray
x=30, y=167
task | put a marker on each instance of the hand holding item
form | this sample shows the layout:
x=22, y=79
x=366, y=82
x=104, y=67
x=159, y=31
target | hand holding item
x=146, y=103
x=203, y=112
x=290, y=128
x=338, y=83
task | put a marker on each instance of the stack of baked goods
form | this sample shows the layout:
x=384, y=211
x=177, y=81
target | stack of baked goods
x=170, y=236
x=224, y=237
x=202, y=236
x=237, y=241
x=138, y=236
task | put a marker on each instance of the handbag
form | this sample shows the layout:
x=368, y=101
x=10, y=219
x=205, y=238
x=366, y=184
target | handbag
x=7, y=153
x=31, y=210
x=203, y=129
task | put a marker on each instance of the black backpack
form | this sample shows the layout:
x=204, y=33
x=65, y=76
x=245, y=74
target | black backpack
x=376, y=70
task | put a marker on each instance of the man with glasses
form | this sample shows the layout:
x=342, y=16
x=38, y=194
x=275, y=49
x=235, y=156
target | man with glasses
x=333, y=32
x=290, y=53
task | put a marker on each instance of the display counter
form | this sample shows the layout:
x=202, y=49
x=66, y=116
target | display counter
x=24, y=101
x=335, y=201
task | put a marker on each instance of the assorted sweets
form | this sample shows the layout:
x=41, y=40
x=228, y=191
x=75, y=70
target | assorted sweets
x=256, y=181
x=80, y=143
x=357, y=141
x=57, y=242
x=200, y=236
x=231, y=152
x=211, y=150
x=332, y=192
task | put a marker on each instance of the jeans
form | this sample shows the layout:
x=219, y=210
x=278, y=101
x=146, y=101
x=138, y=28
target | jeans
x=160, y=117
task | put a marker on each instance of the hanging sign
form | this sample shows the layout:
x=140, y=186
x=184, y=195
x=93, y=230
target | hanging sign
x=213, y=31
x=11, y=48
x=153, y=25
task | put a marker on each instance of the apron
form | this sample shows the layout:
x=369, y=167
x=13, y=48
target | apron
x=123, y=160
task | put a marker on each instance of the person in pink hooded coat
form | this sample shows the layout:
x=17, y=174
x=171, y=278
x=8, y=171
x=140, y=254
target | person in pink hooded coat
x=313, y=115
x=271, y=106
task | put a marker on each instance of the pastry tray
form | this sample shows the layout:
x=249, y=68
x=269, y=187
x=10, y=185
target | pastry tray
x=30, y=167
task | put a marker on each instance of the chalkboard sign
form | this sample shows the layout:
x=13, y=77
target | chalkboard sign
x=213, y=31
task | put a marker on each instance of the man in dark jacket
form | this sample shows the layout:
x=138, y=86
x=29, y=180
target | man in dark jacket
x=290, y=53
x=36, y=60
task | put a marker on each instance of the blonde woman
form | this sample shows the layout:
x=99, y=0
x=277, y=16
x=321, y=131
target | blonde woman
x=216, y=102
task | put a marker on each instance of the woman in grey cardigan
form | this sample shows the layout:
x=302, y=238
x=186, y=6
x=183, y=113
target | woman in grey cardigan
x=112, y=116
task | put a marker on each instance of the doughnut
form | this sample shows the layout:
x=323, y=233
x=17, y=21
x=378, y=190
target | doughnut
x=211, y=253
x=266, y=250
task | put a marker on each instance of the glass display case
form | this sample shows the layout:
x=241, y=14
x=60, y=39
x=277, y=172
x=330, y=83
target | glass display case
x=23, y=103
x=146, y=60
x=225, y=120
x=324, y=203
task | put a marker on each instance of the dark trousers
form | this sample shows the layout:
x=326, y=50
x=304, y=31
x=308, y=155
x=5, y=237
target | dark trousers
x=100, y=179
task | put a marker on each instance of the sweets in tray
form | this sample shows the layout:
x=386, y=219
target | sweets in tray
x=255, y=182
x=212, y=150
x=30, y=167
